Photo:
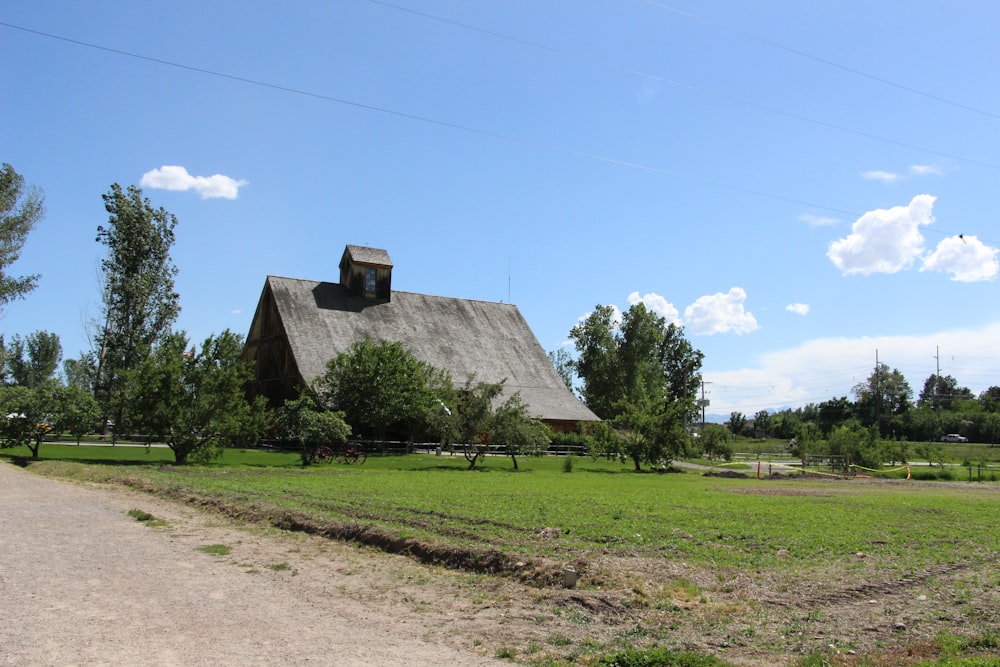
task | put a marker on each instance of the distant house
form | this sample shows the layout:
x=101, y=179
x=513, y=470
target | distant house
x=300, y=325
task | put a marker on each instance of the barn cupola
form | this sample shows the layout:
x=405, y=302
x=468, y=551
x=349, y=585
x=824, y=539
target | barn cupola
x=366, y=272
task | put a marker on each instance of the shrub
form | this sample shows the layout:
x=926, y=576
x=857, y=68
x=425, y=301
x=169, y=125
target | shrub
x=569, y=442
x=658, y=657
x=931, y=473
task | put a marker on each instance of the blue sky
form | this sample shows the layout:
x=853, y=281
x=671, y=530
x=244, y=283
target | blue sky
x=802, y=185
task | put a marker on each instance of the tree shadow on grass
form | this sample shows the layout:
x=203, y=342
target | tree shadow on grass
x=25, y=461
x=135, y=462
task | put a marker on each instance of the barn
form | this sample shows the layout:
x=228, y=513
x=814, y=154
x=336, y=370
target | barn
x=299, y=325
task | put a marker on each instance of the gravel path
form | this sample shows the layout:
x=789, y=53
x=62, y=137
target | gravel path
x=83, y=583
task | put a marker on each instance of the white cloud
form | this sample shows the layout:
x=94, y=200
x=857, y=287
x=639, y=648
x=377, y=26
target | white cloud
x=658, y=305
x=824, y=368
x=884, y=240
x=889, y=177
x=798, y=308
x=926, y=170
x=818, y=220
x=708, y=315
x=879, y=175
x=965, y=257
x=177, y=178
x=720, y=313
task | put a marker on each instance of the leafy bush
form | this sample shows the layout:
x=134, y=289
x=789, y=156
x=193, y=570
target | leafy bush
x=569, y=442
x=659, y=657
x=931, y=473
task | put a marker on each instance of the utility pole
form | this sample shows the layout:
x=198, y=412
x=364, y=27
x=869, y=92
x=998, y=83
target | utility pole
x=937, y=380
x=878, y=396
x=704, y=402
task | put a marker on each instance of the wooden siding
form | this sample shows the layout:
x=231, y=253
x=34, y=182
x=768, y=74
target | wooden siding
x=276, y=375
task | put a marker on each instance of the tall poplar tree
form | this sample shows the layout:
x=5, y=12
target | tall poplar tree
x=20, y=208
x=638, y=358
x=641, y=374
x=139, y=302
x=34, y=360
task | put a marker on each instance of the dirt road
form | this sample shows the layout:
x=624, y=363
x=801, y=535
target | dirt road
x=83, y=583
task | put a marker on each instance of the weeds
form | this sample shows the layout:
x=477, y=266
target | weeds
x=659, y=657
x=216, y=549
x=148, y=519
x=506, y=653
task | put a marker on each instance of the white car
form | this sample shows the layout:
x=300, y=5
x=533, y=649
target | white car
x=954, y=437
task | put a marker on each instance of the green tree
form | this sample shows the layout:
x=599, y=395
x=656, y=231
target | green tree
x=715, y=442
x=940, y=391
x=833, y=413
x=858, y=445
x=308, y=426
x=75, y=411
x=922, y=423
x=563, y=363
x=737, y=423
x=519, y=434
x=596, y=361
x=651, y=433
x=807, y=440
x=20, y=209
x=604, y=441
x=990, y=399
x=931, y=452
x=989, y=429
x=34, y=360
x=785, y=424
x=194, y=401
x=762, y=424
x=643, y=375
x=636, y=429
x=380, y=386
x=81, y=372
x=964, y=417
x=895, y=451
x=465, y=416
x=883, y=398
x=139, y=301
x=25, y=416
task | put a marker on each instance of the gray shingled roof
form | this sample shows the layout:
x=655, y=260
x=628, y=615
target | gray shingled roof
x=363, y=255
x=464, y=337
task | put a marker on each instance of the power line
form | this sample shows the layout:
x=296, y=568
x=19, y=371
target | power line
x=688, y=87
x=825, y=61
x=433, y=121
x=479, y=131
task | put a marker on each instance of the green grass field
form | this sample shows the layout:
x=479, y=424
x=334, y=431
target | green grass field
x=860, y=534
x=741, y=523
